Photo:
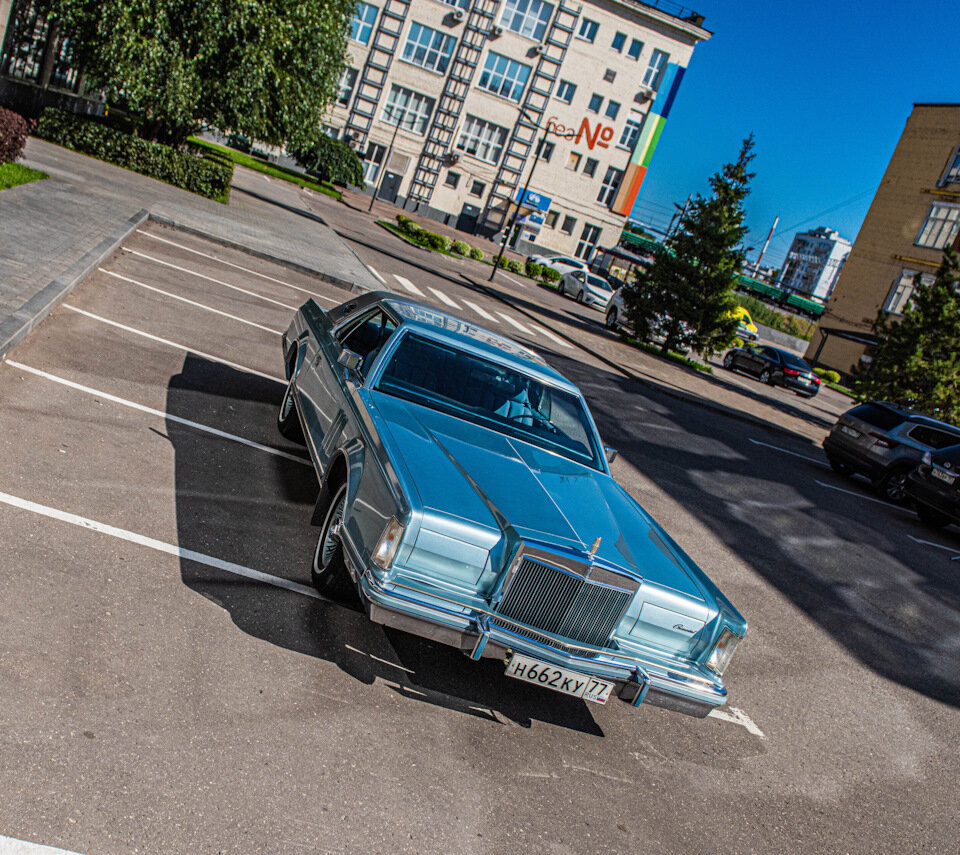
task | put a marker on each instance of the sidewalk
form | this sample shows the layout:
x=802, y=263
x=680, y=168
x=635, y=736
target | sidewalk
x=53, y=232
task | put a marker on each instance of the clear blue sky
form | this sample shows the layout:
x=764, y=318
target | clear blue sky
x=825, y=87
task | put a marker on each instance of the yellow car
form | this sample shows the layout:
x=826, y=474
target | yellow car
x=748, y=329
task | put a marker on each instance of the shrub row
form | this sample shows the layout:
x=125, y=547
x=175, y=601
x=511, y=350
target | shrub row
x=827, y=374
x=763, y=314
x=199, y=175
x=13, y=135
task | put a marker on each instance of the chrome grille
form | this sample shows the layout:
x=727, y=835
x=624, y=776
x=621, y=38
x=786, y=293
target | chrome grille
x=562, y=604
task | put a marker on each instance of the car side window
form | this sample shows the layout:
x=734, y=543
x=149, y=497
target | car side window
x=933, y=437
x=368, y=335
x=770, y=353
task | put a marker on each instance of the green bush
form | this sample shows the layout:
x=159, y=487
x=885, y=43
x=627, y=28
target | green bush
x=476, y=253
x=551, y=275
x=333, y=160
x=827, y=374
x=515, y=266
x=188, y=171
x=460, y=247
x=503, y=262
x=438, y=243
x=533, y=270
x=770, y=317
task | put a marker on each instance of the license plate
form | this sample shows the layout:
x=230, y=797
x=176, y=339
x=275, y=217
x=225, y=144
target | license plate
x=804, y=380
x=559, y=679
x=849, y=431
x=946, y=477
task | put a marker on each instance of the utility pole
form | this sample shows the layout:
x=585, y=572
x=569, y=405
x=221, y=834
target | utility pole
x=679, y=218
x=766, y=243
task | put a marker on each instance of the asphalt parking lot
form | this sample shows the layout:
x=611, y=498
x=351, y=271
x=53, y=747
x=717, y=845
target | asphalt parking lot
x=173, y=684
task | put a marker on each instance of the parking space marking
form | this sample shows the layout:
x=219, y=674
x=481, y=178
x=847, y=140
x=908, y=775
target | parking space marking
x=13, y=846
x=482, y=312
x=133, y=405
x=514, y=323
x=174, y=344
x=853, y=493
x=551, y=336
x=374, y=272
x=235, y=266
x=443, y=298
x=211, y=279
x=158, y=545
x=937, y=546
x=653, y=426
x=408, y=285
x=735, y=716
x=189, y=302
x=511, y=279
x=787, y=451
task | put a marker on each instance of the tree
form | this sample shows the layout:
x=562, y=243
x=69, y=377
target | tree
x=917, y=363
x=686, y=294
x=333, y=160
x=263, y=68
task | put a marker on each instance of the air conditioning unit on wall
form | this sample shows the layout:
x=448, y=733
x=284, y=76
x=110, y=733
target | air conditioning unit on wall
x=495, y=31
x=458, y=15
x=539, y=49
x=645, y=93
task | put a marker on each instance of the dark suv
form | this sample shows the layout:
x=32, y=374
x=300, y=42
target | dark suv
x=886, y=443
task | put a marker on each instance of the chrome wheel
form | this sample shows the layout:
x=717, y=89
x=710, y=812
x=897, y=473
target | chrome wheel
x=765, y=376
x=728, y=361
x=288, y=422
x=328, y=563
x=894, y=486
x=612, y=319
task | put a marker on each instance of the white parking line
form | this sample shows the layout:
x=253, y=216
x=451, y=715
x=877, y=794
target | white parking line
x=853, y=493
x=514, y=281
x=551, y=336
x=174, y=344
x=735, y=716
x=210, y=279
x=787, y=451
x=13, y=846
x=189, y=302
x=234, y=266
x=482, y=312
x=514, y=323
x=652, y=426
x=158, y=545
x=408, y=285
x=374, y=272
x=133, y=405
x=443, y=298
x=937, y=546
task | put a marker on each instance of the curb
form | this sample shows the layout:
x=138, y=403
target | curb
x=16, y=327
x=686, y=397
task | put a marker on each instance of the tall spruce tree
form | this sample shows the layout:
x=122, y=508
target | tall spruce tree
x=687, y=293
x=918, y=361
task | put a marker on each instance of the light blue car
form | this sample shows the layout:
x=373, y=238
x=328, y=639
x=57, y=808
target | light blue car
x=466, y=494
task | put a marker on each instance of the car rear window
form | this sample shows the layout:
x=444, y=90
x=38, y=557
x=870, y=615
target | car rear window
x=794, y=361
x=876, y=415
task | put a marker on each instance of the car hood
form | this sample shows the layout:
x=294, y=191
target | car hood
x=497, y=482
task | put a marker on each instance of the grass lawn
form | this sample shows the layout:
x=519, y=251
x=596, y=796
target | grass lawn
x=269, y=169
x=12, y=174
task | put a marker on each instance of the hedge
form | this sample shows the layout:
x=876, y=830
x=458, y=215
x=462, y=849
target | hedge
x=13, y=135
x=196, y=174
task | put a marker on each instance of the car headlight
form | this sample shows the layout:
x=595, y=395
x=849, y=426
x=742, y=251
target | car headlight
x=723, y=651
x=388, y=544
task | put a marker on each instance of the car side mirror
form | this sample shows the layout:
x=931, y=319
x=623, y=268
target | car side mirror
x=349, y=360
x=610, y=453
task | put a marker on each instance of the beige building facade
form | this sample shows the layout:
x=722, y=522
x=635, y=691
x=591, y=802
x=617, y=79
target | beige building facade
x=914, y=215
x=462, y=94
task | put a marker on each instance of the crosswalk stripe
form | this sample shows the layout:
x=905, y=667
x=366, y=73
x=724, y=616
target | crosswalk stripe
x=443, y=298
x=408, y=285
x=374, y=272
x=514, y=323
x=480, y=311
x=551, y=336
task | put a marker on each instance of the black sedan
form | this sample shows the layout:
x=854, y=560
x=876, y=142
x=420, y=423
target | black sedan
x=934, y=487
x=774, y=366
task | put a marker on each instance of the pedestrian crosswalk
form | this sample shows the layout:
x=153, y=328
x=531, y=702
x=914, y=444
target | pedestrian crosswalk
x=408, y=285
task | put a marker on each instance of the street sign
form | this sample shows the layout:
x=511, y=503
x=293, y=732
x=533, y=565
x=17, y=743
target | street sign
x=533, y=199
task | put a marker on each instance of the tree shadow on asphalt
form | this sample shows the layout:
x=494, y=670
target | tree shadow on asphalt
x=251, y=508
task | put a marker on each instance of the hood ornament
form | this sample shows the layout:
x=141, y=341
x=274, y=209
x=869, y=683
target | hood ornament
x=595, y=547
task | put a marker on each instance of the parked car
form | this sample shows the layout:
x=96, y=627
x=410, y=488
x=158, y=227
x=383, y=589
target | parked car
x=774, y=366
x=886, y=443
x=934, y=487
x=561, y=263
x=748, y=329
x=588, y=288
x=465, y=493
x=617, y=319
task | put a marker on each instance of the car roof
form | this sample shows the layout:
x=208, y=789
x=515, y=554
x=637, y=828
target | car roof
x=913, y=416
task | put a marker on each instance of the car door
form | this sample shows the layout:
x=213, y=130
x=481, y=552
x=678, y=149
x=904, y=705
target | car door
x=770, y=359
x=751, y=360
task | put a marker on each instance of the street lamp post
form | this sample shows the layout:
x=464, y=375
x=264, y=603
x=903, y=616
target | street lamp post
x=386, y=159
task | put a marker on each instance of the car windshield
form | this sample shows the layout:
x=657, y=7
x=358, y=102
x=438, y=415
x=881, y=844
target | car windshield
x=491, y=395
x=599, y=282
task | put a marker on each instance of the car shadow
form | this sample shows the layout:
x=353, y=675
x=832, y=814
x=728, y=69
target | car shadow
x=252, y=509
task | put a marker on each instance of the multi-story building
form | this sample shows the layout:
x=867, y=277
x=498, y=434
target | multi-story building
x=914, y=215
x=814, y=262
x=463, y=93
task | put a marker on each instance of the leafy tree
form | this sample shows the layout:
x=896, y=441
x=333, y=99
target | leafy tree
x=918, y=361
x=686, y=294
x=262, y=68
x=333, y=160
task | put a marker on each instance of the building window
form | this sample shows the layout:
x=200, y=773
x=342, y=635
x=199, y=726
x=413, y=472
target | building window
x=588, y=30
x=940, y=227
x=590, y=167
x=361, y=25
x=952, y=175
x=631, y=133
x=482, y=139
x=573, y=161
x=371, y=162
x=613, y=107
x=611, y=181
x=588, y=241
x=654, y=73
x=619, y=40
x=428, y=48
x=503, y=76
x=569, y=223
x=565, y=91
x=545, y=150
x=408, y=108
x=635, y=49
x=596, y=102
x=347, y=81
x=902, y=290
x=609, y=75
x=477, y=188
x=551, y=220
x=527, y=17
x=457, y=4
x=452, y=179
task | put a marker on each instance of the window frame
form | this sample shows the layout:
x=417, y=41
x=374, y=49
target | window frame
x=901, y=292
x=629, y=53
x=361, y=22
x=590, y=167
x=520, y=12
x=569, y=224
x=500, y=69
x=939, y=226
x=629, y=142
x=658, y=71
x=622, y=38
x=615, y=106
x=481, y=140
x=442, y=58
x=344, y=90
x=599, y=107
x=572, y=91
x=951, y=175
x=585, y=25
x=420, y=117
x=609, y=186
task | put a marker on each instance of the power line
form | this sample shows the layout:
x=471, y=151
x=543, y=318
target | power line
x=850, y=201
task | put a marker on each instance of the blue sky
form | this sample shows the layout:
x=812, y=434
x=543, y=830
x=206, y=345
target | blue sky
x=825, y=87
